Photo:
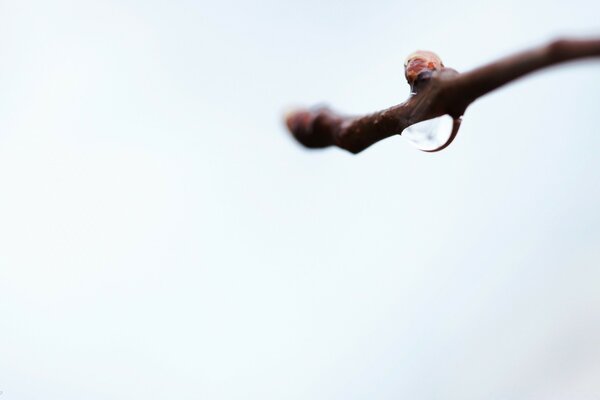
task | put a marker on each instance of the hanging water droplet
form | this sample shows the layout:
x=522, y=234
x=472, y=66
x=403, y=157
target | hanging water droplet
x=430, y=134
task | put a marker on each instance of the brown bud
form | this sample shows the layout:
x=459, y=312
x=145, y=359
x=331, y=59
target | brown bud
x=419, y=62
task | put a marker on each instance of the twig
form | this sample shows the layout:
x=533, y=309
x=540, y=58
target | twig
x=436, y=91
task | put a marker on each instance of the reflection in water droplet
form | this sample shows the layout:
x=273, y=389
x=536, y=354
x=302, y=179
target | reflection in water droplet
x=429, y=134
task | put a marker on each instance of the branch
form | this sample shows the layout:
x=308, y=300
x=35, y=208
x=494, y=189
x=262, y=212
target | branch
x=436, y=91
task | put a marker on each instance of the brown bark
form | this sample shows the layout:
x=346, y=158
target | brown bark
x=440, y=91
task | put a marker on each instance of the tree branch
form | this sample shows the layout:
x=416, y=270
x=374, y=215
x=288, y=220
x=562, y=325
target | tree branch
x=436, y=91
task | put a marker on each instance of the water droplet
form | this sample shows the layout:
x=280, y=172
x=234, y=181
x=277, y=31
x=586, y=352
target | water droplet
x=430, y=134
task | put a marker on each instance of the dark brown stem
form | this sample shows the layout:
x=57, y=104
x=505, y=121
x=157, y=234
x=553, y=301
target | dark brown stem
x=444, y=91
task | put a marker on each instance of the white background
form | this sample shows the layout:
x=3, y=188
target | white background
x=161, y=236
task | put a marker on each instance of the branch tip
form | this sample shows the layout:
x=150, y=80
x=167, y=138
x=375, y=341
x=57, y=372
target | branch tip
x=435, y=91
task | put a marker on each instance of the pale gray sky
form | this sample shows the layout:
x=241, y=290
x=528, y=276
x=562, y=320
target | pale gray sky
x=162, y=237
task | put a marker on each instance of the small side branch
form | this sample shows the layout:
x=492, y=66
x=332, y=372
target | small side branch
x=437, y=91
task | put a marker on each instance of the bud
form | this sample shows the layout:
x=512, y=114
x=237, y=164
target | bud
x=420, y=66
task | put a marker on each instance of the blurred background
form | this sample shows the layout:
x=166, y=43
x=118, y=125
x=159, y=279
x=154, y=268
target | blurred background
x=161, y=235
